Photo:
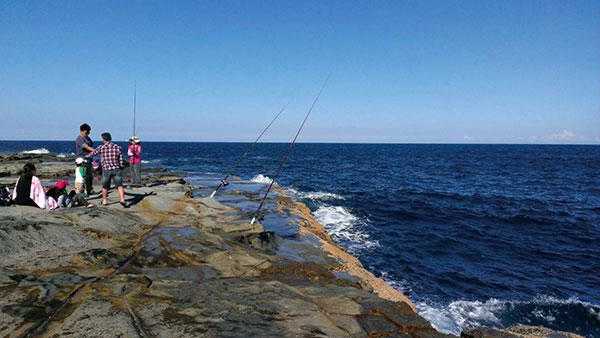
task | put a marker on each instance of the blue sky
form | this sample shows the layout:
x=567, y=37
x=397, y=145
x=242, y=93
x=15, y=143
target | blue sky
x=403, y=71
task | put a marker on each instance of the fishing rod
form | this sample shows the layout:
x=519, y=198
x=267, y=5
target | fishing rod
x=292, y=143
x=134, y=106
x=248, y=151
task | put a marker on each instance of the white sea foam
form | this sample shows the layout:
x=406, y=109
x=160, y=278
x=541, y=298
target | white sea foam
x=541, y=315
x=145, y=162
x=343, y=225
x=261, y=179
x=63, y=155
x=36, y=151
x=319, y=195
x=460, y=315
x=315, y=195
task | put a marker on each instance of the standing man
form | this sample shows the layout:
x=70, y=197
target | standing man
x=83, y=147
x=134, y=151
x=111, y=160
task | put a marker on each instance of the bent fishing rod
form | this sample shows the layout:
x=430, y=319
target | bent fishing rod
x=228, y=173
x=287, y=155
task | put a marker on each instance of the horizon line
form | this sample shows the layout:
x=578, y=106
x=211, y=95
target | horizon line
x=333, y=142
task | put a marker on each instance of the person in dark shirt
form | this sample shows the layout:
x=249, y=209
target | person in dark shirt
x=83, y=147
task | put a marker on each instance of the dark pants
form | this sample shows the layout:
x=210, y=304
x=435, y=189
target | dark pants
x=136, y=174
x=77, y=199
x=89, y=176
x=27, y=201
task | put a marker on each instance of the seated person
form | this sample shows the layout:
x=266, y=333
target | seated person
x=57, y=196
x=28, y=189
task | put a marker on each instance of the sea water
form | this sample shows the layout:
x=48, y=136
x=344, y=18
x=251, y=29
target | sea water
x=474, y=234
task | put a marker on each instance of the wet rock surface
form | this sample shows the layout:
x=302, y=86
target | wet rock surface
x=176, y=266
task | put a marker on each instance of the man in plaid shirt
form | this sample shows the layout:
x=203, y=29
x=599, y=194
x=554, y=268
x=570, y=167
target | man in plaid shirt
x=111, y=159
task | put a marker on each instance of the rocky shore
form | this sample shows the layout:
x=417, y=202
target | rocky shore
x=175, y=265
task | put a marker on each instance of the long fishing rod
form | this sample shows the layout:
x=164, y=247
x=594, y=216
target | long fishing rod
x=290, y=149
x=248, y=151
x=134, y=106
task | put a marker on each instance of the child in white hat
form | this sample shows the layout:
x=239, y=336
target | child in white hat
x=77, y=196
x=80, y=171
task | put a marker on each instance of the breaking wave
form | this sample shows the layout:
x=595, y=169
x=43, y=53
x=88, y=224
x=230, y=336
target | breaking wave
x=460, y=315
x=322, y=196
x=315, y=195
x=64, y=155
x=260, y=178
x=571, y=314
x=344, y=226
x=36, y=151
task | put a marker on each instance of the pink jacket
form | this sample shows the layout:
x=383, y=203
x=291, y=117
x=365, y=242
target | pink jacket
x=37, y=193
x=134, y=151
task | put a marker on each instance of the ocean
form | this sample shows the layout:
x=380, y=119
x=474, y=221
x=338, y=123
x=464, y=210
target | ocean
x=473, y=234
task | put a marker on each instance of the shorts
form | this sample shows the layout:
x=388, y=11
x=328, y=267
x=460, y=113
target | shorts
x=115, y=175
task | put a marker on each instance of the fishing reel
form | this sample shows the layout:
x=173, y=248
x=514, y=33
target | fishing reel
x=258, y=217
x=224, y=183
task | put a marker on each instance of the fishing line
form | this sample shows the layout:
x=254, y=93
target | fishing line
x=292, y=143
x=229, y=171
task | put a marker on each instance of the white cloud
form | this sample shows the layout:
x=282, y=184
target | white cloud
x=563, y=136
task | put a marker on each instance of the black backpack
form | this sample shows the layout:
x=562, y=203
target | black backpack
x=5, y=197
